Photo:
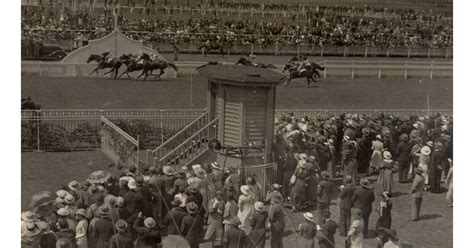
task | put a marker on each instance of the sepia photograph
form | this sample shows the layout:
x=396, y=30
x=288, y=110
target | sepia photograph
x=235, y=124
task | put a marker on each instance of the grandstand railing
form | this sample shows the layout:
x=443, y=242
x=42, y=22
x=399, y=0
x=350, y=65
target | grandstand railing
x=314, y=113
x=188, y=150
x=180, y=136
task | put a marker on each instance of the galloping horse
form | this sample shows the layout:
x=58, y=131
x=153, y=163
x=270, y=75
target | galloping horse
x=309, y=73
x=150, y=66
x=131, y=64
x=246, y=62
x=219, y=46
x=114, y=64
x=28, y=104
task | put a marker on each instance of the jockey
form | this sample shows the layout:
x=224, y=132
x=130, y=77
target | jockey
x=138, y=57
x=304, y=63
x=253, y=59
x=106, y=56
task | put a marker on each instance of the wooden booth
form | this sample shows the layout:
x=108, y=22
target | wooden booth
x=243, y=100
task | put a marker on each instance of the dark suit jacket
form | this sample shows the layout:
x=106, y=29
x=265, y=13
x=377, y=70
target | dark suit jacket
x=362, y=199
x=102, y=232
x=66, y=234
x=325, y=191
x=235, y=238
x=326, y=235
x=177, y=214
x=121, y=240
x=192, y=228
x=134, y=201
x=403, y=152
x=308, y=230
x=346, y=196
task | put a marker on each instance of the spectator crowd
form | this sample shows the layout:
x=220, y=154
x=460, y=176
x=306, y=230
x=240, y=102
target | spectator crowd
x=323, y=26
x=214, y=204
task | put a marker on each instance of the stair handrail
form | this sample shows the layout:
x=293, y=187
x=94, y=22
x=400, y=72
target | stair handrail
x=164, y=144
x=212, y=122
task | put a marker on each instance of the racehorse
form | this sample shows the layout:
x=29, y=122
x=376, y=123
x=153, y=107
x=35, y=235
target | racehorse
x=114, y=64
x=246, y=62
x=131, y=64
x=219, y=46
x=150, y=66
x=28, y=104
x=309, y=73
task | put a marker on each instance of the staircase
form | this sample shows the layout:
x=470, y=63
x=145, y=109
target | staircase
x=186, y=145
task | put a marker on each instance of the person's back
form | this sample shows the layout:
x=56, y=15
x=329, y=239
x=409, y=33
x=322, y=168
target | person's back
x=173, y=220
x=121, y=240
x=235, y=238
x=362, y=199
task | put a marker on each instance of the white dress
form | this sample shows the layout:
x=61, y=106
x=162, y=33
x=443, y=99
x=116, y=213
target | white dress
x=245, y=211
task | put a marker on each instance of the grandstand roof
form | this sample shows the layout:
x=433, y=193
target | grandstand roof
x=241, y=75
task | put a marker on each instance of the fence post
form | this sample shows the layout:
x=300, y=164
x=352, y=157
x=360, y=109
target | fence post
x=409, y=52
x=447, y=52
x=322, y=51
x=38, y=143
x=276, y=48
x=353, y=74
x=380, y=70
x=40, y=69
x=431, y=72
x=345, y=51
x=388, y=51
x=251, y=48
x=406, y=69
x=366, y=51
x=429, y=52
x=325, y=69
x=298, y=50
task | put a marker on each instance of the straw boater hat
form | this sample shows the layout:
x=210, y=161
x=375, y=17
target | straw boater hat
x=104, y=211
x=28, y=216
x=276, y=186
x=121, y=225
x=176, y=201
x=31, y=229
x=387, y=155
x=195, y=167
x=347, y=138
x=259, y=206
x=192, y=207
x=308, y=216
x=149, y=222
x=325, y=175
x=132, y=184
x=215, y=166
x=425, y=150
x=416, y=125
x=439, y=145
x=364, y=182
x=302, y=164
x=63, y=212
x=61, y=193
x=69, y=199
x=168, y=170
x=404, y=137
x=81, y=212
x=200, y=172
x=245, y=189
x=74, y=185
x=303, y=156
x=430, y=143
x=386, y=194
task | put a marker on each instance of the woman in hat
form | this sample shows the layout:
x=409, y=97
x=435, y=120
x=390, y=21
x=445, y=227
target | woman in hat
x=424, y=161
x=216, y=177
x=385, y=212
x=274, y=193
x=122, y=238
x=192, y=225
x=356, y=231
x=254, y=186
x=245, y=204
x=230, y=211
x=103, y=229
x=215, y=229
x=386, y=172
x=149, y=235
x=258, y=223
x=376, y=159
x=81, y=228
x=307, y=231
x=301, y=176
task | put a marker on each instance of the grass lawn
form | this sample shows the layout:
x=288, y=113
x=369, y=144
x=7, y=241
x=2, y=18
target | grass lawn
x=49, y=171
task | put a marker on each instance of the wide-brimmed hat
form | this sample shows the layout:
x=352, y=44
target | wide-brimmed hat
x=325, y=175
x=308, y=216
x=365, y=131
x=69, y=199
x=259, y=206
x=81, y=212
x=104, y=210
x=200, y=172
x=168, y=170
x=176, y=201
x=387, y=155
x=430, y=143
x=386, y=194
x=425, y=150
x=121, y=225
x=438, y=145
x=418, y=170
x=180, y=174
x=31, y=229
x=348, y=179
x=61, y=193
x=302, y=164
x=416, y=125
x=245, y=189
x=404, y=137
x=63, y=212
x=378, y=136
x=193, y=189
x=276, y=186
x=392, y=233
x=303, y=156
x=364, y=182
x=418, y=140
x=28, y=216
x=149, y=222
x=74, y=185
x=132, y=184
x=215, y=165
x=192, y=207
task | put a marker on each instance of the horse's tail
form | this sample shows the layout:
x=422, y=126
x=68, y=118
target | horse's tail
x=175, y=68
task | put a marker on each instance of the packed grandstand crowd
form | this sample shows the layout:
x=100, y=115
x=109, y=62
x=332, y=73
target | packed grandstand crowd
x=323, y=26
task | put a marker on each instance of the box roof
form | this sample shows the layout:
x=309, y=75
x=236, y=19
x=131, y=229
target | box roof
x=241, y=75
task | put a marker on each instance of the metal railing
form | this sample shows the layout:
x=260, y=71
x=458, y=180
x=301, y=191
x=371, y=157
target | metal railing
x=314, y=113
x=189, y=149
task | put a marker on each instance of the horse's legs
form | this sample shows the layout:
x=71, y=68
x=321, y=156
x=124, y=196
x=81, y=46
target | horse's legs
x=146, y=76
x=109, y=71
x=143, y=72
x=95, y=70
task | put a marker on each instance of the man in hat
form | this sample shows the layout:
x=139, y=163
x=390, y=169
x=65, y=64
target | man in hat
x=122, y=239
x=134, y=200
x=235, y=237
x=437, y=165
x=216, y=177
x=103, y=228
x=215, y=230
x=232, y=183
x=172, y=220
x=192, y=225
x=307, y=231
x=403, y=158
x=345, y=205
x=31, y=235
x=325, y=190
x=157, y=187
x=196, y=197
x=416, y=192
x=146, y=193
x=80, y=195
x=325, y=233
x=64, y=232
x=288, y=169
x=274, y=193
x=65, y=214
x=81, y=228
x=362, y=199
x=276, y=218
x=148, y=234
x=258, y=222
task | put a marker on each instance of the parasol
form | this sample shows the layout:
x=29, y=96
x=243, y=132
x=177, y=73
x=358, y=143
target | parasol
x=98, y=177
